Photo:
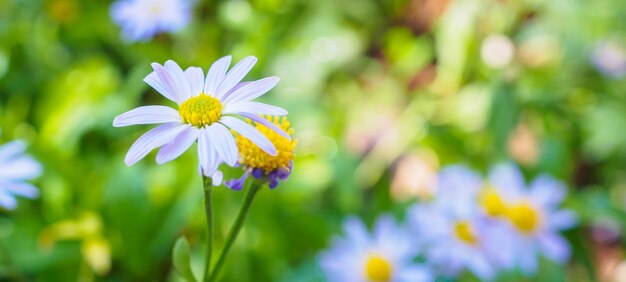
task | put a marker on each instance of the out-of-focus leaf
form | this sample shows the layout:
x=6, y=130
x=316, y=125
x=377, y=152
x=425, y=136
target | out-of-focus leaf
x=182, y=259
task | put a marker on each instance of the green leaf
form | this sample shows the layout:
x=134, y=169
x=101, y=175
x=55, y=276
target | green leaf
x=182, y=259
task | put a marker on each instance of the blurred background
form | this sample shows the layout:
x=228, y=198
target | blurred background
x=382, y=93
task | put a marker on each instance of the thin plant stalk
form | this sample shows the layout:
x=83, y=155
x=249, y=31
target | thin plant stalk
x=234, y=231
x=208, y=210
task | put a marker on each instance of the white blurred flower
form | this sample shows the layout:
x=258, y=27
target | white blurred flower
x=610, y=59
x=497, y=51
x=531, y=215
x=455, y=235
x=209, y=109
x=16, y=168
x=140, y=20
x=385, y=255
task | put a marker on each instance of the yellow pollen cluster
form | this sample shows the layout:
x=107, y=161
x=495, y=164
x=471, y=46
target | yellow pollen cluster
x=492, y=203
x=463, y=230
x=378, y=269
x=252, y=156
x=201, y=110
x=524, y=217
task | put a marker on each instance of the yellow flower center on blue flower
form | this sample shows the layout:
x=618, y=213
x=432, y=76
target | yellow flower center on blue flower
x=378, y=269
x=201, y=110
x=252, y=156
x=463, y=230
x=493, y=203
x=524, y=217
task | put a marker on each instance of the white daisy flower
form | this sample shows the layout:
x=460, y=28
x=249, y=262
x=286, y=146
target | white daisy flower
x=531, y=214
x=142, y=19
x=16, y=168
x=384, y=256
x=208, y=111
x=454, y=234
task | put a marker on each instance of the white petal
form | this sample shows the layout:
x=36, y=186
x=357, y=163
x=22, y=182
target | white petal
x=547, y=191
x=195, y=76
x=235, y=75
x=562, y=219
x=154, y=138
x=182, y=85
x=267, y=123
x=508, y=179
x=21, y=189
x=254, y=108
x=217, y=178
x=215, y=75
x=554, y=247
x=356, y=232
x=153, y=80
x=206, y=154
x=178, y=146
x=224, y=143
x=7, y=201
x=21, y=168
x=252, y=90
x=147, y=115
x=239, y=85
x=251, y=133
x=169, y=82
x=12, y=149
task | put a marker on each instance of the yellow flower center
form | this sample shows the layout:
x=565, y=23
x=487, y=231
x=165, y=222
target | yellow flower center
x=463, y=230
x=378, y=269
x=252, y=156
x=524, y=217
x=493, y=203
x=201, y=110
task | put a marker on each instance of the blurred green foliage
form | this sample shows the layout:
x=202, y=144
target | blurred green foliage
x=368, y=84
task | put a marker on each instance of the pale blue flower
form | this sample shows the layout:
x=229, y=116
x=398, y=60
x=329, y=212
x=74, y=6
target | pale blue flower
x=387, y=254
x=140, y=20
x=609, y=57
x=16, y=168
x=533, y=218
x=209, y=109
x=453, y=231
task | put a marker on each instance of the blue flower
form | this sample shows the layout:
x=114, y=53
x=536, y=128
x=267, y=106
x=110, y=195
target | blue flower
x=142, y=19
x=16, y=168
x=387, y=254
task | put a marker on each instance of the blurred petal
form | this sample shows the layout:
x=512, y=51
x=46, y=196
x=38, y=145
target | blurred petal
x=20, y=189
x=562, y=219
x=547, y=191
x=21, y=168
x=12, y=149
x=147, y=115
x=7, y=201
x=508, y=179
x=554, y=247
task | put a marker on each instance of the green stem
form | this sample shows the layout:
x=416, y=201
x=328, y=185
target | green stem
x=234, y=230
x=208, y=210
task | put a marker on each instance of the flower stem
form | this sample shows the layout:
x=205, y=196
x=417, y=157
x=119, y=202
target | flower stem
x=234, y=230
x=208, y=210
